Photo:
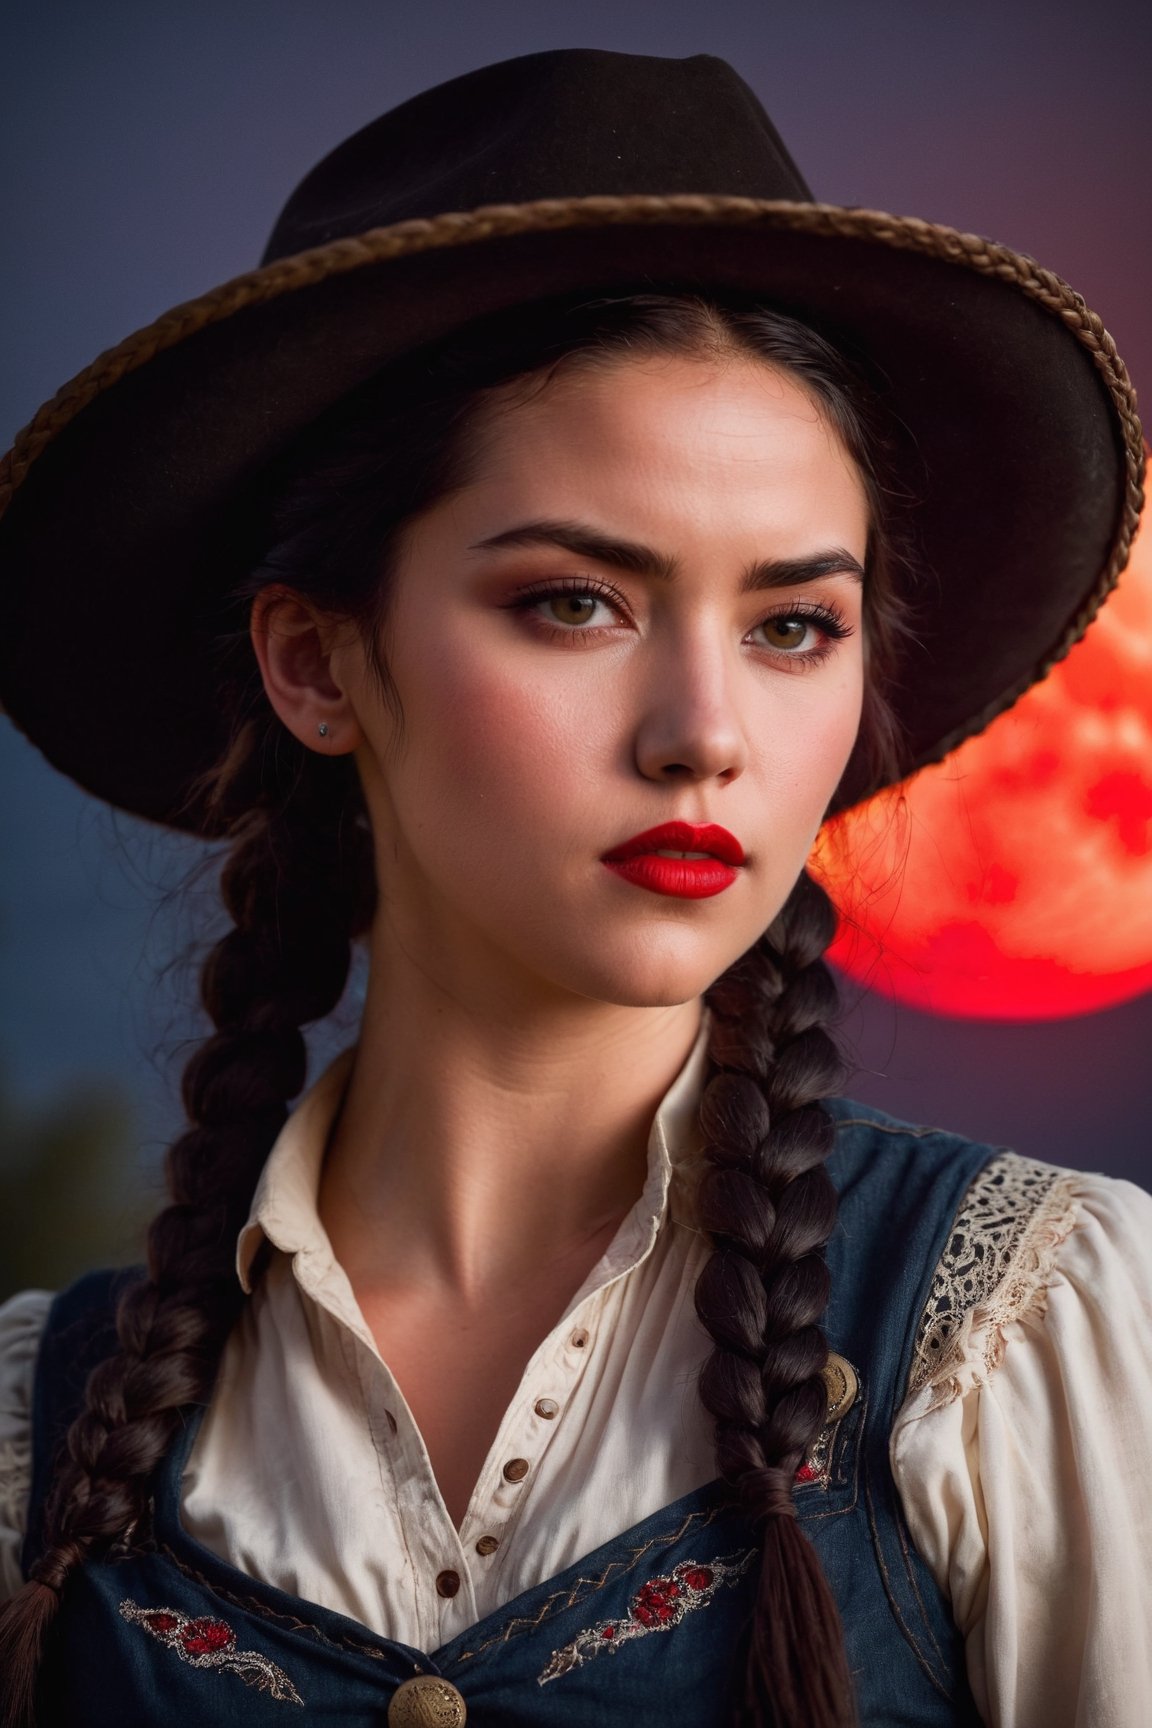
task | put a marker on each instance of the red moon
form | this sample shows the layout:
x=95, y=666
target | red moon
x=1013, y=880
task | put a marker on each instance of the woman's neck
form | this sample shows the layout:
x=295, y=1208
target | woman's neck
x=480, y=1139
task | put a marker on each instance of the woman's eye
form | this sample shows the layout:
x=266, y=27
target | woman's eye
x=786, y=632
x=575, y=608
x=806, y=636
x=572, y=608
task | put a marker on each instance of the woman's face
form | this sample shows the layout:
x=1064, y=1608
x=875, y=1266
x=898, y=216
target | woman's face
x=563, y=690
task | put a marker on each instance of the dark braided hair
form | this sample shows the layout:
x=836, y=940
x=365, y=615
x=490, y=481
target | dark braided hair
x=299, y=886
x=769, y=1204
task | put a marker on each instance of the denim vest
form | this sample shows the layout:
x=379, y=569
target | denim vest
x=642, y=1631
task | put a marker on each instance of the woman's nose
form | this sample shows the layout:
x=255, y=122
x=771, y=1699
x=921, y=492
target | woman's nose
x=689, y=728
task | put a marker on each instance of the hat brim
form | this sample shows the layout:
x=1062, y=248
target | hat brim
x=128, y=514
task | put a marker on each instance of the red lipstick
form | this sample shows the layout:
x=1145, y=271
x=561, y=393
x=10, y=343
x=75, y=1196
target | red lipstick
x=640, y=860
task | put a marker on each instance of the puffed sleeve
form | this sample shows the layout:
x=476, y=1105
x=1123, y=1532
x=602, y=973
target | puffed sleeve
x=22, y=1320
x=1023, y=1458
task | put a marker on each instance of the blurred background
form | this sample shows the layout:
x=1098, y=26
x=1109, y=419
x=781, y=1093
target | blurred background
x=149, y=145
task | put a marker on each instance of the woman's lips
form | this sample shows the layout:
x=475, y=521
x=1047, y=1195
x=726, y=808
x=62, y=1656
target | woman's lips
x=643, y=860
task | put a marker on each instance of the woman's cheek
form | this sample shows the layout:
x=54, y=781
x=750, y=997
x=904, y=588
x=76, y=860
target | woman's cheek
x=499, y=748
x=807, y=721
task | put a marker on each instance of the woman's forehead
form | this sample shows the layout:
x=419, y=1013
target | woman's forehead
x=695, y=444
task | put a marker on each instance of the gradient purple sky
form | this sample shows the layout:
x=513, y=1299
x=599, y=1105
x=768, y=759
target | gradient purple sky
x=149, y=147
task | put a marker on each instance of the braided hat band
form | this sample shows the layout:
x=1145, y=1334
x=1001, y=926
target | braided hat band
x=140, y=472
x=908, y=233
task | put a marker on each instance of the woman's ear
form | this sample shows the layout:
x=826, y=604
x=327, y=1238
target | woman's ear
x=295, y=643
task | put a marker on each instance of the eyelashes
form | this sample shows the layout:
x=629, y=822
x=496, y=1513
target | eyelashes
x=828, y=620
x=574, y=590
x=567, y=588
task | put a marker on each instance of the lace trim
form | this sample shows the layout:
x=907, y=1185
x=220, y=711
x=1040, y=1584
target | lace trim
x=995, y=1268
x=15, y=1483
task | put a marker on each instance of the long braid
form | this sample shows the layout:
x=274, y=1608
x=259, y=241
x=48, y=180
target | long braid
x=297, y=886
x=770, y=1206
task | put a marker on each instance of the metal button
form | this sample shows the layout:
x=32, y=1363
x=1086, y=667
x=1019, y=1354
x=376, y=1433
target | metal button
x=578, y=1340
x=447, y=1583
x=841, y=1380
x=547, y=1407
x=426, y=1701
x=487, y=1544
x=516, y=1469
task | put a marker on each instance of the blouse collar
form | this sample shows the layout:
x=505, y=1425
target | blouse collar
x=284, y=1207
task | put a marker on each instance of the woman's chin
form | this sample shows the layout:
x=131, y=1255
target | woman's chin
x=639, y=976
x=536, y=953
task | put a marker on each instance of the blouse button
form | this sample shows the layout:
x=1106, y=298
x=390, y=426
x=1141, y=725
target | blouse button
x=841, y=1384
x=546, y=1407
x=447, y=1583
x=487, y=1544
x=427, y=1701
x=516, y=1469
x=578, y=1340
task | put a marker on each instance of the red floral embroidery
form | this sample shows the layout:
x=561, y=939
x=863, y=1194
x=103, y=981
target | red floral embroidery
x=657, y=1606
x=208, y=1643
x=159, y=1622
x=202, y=1637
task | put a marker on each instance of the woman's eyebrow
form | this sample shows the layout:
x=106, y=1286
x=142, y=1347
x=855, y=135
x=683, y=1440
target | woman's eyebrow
x=585, y=541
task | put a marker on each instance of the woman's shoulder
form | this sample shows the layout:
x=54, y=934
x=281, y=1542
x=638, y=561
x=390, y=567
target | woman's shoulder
x=1001, y=1195
x=1008, y=1230
x=22, y=1321
x=1031, y=1244
x=48, y=1345
x=876, y=1128
x=869, y=1140
x=899, y=1185
x=1021, y=1450
x=23, y=1318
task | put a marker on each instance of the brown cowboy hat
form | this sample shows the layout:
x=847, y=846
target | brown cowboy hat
x=127, y=503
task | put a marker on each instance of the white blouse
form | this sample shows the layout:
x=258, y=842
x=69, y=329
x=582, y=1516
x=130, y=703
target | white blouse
x=1022, y=1452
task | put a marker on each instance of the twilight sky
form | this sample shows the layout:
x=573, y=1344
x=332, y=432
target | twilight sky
x=150, y=144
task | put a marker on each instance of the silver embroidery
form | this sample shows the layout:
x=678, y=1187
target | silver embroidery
x=657, y=1606
x=817, y=1467
x=205, y=1642
x=995, y=1267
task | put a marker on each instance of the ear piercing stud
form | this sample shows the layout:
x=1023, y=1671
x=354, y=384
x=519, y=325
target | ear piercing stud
x=323, y=728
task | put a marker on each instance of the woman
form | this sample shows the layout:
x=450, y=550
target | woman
x=520, y=591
